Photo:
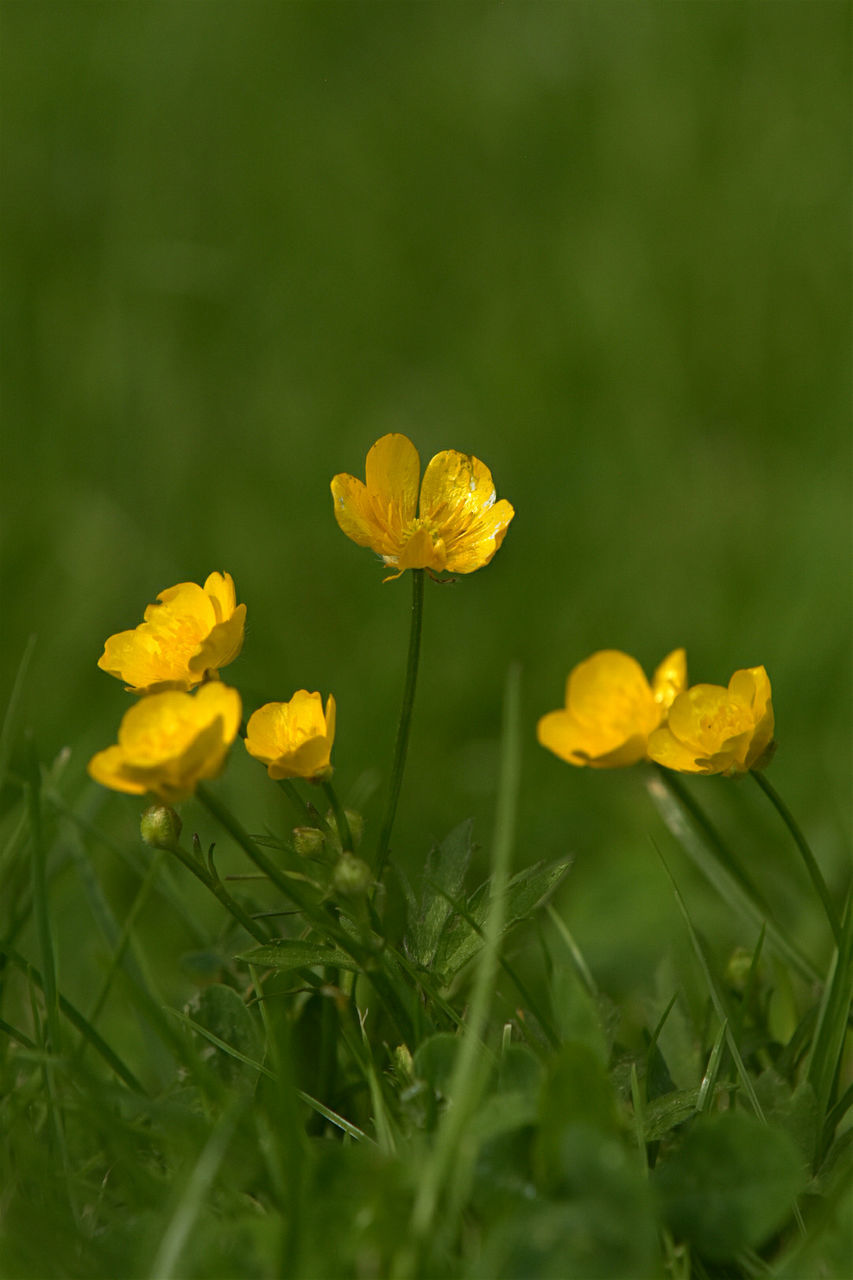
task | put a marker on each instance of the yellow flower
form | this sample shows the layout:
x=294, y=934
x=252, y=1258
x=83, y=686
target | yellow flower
x=611, y=709
x=715, y=730
x=186, y=637
x=170, y=741
x=456, y=527
x=294, y=739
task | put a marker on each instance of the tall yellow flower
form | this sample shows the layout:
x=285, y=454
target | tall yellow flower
x=611, y=709
x=170, y=741
x=715, y=730
x=449, y=523
x=186, y=637
x=294, y=739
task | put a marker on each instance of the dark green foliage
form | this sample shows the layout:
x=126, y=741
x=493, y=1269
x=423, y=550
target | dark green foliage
x=731, y=1184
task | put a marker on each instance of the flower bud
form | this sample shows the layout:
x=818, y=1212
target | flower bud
x=160, y=827
x=404, y=1063
x=738, y=969
x=351, y=877
x=308, y=841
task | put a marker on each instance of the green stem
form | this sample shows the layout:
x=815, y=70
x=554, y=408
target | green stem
x=296, y=800
x=402, y=743
x=712, y=836
x=344, y=834
x=217, y=888
x=806, y=853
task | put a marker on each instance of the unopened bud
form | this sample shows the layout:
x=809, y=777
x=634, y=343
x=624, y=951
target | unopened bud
x=738, y=969
x=404, y=1063
x=160, y=827
x=352, y=876
x=308, y=841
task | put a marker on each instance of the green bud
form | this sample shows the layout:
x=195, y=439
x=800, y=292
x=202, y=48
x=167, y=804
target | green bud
x=352, y=876
x=737, y=969
x=404, y=1063
x=308, y=841
x=160, y=827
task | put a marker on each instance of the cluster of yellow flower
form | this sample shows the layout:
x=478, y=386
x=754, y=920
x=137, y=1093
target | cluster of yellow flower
x=172, y=738
x=614, y=717
x=449, y=521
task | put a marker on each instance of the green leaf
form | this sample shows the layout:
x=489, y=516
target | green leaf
x=444, y=878
x=290, y=954
x=577, y=1095
x=731, y=1184
x=603, y=1230
x=221, y=1011
x=461, y=941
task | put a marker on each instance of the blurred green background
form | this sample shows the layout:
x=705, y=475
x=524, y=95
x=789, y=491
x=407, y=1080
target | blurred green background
x=604, y=247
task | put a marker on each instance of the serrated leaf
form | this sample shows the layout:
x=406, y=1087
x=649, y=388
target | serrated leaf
x=461, y=940
x=221, y=1011
x=444, y=877
x=290, y=954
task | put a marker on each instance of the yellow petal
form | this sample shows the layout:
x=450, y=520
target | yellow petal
x=357, y=517
x=670, y=678
x=223, y=644
x=422, y=551
x=595, y=745
x=185, y=605
x=219, y=588
x=610, y=688
x=107, y=767
x=392, y=471
x=667, y=750
x=476, y=545
x=455, y=484
x=704, y=718
x=751, y=687
x=293, y=739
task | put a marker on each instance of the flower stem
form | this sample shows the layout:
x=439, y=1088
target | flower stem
x=296, y=800
x=217, y=888
x=344, y=834
x=806, y=853
x=402, y=743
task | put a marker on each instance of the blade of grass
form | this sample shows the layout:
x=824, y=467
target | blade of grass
x=535, y=1008
x=192, y=1198
x=10, y=720
x=712, y=1071
x=811, y=863
x=831, y=1030
x=445, y=1163
x=717, y=997
x=75, y=1017
x=702, y=850
x=340, y=1122
x=583, y=970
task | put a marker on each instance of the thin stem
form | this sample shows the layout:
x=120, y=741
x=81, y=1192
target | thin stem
x=296, y=800
x=711, y=834
x=402, y=743
x=344, y=834
x=806, y=853
x=216, y=887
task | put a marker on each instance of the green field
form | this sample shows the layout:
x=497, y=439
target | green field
x=604, y=247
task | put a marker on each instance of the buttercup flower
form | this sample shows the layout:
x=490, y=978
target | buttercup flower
x=611, y=709
x=715, y=730
x=294, y=739
x=186, y=637
x=456, y=527
x=170, y=741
